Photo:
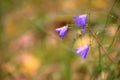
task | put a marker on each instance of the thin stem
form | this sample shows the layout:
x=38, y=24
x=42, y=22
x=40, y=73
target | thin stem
x=99, y=50
x=105, y=51
x=117, y=40
x=107, y=20
x=110, y=46
x=66, y=72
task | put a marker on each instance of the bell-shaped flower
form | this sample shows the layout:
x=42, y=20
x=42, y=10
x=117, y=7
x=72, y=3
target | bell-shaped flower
x=80, y=20
x=62, y=31
x=82, y=50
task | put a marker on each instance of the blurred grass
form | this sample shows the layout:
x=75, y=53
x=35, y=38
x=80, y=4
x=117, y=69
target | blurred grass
x=31, y=50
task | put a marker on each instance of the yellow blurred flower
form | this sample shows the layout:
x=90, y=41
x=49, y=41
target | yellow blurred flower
x=29, y=63
x=83, y=40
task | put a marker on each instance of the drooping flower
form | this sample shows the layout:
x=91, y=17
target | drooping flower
x=62, y=31
x=80, y=20
x=82, y=50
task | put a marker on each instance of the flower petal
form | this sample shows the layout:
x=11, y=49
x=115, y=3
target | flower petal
x=58, y=29
x=80, y=20
x=82, y=50
x=62, y=31
x=84, y=53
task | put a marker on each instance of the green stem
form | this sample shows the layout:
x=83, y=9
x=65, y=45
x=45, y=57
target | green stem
x=113, y=40
x=105, y=51
x=99, y=50
x=66, y=72
x=107, y=20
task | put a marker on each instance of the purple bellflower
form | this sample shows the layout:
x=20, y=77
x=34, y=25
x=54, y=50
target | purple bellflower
x=62, y=31
x=81, y=20
x=82, y=50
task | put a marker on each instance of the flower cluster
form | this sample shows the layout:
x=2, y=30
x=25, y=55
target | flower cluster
x=81, y=21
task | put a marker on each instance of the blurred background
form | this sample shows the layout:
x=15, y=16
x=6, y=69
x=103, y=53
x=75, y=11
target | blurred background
x=30, y=49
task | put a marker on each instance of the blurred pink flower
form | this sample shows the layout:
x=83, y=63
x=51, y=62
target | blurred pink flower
x=25, y=41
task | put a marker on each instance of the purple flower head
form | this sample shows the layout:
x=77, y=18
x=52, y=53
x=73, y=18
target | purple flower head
x=62, y=31
x=82, y=50
x=80, y=20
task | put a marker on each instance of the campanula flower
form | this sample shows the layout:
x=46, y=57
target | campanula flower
x=62, y=31
x=80, y=20
x=82, y=50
